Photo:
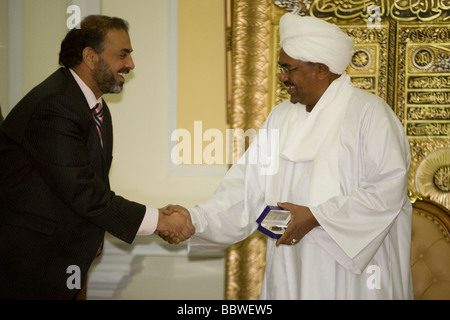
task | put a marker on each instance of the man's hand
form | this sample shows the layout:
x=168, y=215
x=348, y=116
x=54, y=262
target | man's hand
x=302, y=221
x=174, y=224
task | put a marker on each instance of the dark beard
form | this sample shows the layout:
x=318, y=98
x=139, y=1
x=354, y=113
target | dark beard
x=104, y=77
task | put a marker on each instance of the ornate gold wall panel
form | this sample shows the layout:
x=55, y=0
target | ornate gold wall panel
x=249, y=72
x=402, y=54
x=423, y=94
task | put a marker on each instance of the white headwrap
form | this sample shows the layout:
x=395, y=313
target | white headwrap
x=311, y=39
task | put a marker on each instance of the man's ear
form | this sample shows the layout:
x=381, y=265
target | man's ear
x=322, y=71
x=90, y=57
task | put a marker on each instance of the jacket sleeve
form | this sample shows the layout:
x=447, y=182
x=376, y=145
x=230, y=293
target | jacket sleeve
x=59, y=142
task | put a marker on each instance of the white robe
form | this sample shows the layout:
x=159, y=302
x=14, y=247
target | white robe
x=362, y=248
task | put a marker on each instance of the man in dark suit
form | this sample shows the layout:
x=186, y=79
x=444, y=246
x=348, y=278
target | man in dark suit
x=55, y=156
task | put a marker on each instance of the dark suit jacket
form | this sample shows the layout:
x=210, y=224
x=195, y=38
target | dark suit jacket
x=55, y=198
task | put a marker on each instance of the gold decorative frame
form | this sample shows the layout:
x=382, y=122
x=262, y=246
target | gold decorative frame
x=402, y=55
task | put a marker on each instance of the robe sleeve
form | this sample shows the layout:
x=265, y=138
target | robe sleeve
x=230, y=215
x=359, y=221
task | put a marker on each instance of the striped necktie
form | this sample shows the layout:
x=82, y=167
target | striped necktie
x=97, y=112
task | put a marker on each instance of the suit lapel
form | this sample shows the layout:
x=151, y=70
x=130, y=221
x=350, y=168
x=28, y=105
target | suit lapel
x=107, y=134
x=106, y=128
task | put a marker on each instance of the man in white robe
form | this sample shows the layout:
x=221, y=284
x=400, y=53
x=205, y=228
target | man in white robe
x=341, y=168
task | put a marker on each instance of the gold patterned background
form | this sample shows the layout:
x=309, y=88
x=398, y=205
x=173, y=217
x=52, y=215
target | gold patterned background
x=402, y=54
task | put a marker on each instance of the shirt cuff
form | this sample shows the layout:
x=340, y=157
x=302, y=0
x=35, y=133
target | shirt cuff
x=149, y=223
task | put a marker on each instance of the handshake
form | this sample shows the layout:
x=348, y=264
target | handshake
x=174, y=224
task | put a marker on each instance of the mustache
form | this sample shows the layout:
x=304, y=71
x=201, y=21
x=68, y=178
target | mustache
x=124, y=70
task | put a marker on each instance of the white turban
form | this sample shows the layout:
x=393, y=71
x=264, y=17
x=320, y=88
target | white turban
x=311, y=39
